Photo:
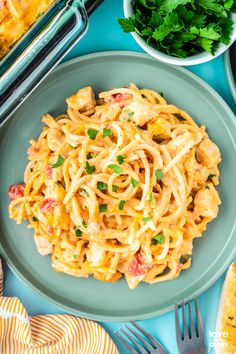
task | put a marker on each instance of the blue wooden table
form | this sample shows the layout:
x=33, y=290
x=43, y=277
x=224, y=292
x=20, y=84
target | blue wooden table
x=104, y=34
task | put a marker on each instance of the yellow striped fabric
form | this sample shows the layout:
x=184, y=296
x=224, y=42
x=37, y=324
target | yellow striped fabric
x=48, y=334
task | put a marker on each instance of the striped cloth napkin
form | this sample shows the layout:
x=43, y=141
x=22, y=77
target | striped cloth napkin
x=48, y=334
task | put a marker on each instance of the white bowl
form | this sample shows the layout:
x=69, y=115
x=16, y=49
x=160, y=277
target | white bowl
x=192, y=60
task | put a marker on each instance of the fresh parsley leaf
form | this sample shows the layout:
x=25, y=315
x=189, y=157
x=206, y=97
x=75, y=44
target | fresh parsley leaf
x=158, y=239
x=102, y=186
x=120, y=159
x=84, y=224
x=209, y=178
x=228, y=4
x=59, y=162
x=106, y=132
x=159, y=174
x=89, y=168
x=116, y=168
x=134, y=182
x=121, y=205
x=89, y=156
x=78, y=232
x=150, y=196
x=181, y=28
x=146, y=219
x=207, y=32
x=171, y=24
x=92, y=133
x=114, y=188
x=206, y=44
x=168, y=6
x=102, y=208
x=127, y=24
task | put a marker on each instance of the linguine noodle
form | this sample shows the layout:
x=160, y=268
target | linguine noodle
x=119, y=185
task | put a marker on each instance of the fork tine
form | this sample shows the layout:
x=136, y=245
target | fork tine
x=137, y=345
x=153, y=340
x=199, y=321
x=184, y=320
x=142, y=340
x=177, y=323
x=192, y=325
x=126, y=344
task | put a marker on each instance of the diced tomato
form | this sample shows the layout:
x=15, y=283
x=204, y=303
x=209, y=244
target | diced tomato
x=48, y=171
x=140, y=257
x=48, y=204
x=50, y=230
x=16, y=191
x=120, y=97
x=137, y=266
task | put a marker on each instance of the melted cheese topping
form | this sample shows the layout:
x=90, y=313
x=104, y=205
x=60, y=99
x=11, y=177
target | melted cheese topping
x=16, y=17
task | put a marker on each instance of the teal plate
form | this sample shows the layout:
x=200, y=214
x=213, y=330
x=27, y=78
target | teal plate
x=91, y=298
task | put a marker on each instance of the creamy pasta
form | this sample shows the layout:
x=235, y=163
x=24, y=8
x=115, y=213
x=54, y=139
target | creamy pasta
x=119, y=186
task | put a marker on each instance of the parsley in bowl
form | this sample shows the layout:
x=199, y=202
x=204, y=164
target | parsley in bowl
x=181, y=32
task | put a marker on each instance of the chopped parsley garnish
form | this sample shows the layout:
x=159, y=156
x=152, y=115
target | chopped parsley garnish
x=74, y=256
x=209, y=178
x=117, y=169
x=158, y=239
x=84, y=224
x=146, y=219
x=182, y=28
x=89, y=169
x=78, y=232
x=159, y=174
x=120, y=159
x=121, y=205
x=106, y=132
x=102, y=208
x=102, y=186
x=35, y=219
x=134, y=182
x=59, y=162
x=150, y=196
x=114, y=188
x=92, y=133
x=89, y=156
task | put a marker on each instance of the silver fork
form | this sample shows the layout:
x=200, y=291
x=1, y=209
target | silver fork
x=193, y=339
x=155, y=348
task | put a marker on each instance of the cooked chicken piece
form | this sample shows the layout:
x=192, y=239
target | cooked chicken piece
x=206, y=202
x=43, y=245
x=83, y=100
x=137, y=112
x=208, y=153
x=55, y=138
x=95, y=255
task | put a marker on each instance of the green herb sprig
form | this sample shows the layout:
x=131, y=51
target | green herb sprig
x=182, y=28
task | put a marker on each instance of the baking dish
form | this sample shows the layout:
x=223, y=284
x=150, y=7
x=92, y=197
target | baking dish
x=40, y=50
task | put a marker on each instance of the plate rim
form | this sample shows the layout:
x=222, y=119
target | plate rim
x=229, y=74
x=150, y=314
